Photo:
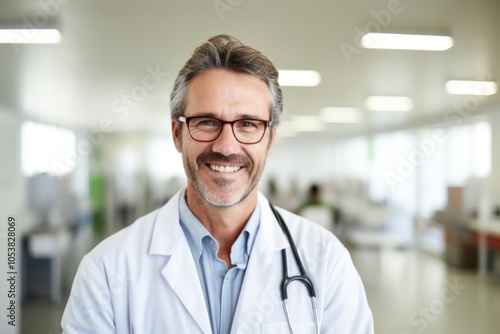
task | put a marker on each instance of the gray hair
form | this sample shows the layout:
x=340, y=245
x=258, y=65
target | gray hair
x=226, y=52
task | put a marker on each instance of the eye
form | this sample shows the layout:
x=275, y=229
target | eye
x=205, y=122
x=248, y=124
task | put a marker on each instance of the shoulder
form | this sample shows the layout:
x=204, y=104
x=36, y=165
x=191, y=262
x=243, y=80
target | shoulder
x=306, y=232
x=139, y=230
x=133, y=239
x=154, y=233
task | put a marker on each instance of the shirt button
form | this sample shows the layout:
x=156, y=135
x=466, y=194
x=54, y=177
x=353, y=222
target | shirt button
x=222, y=275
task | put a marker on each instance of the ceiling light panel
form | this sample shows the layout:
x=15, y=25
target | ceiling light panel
x=299, y=78
x=406, y=42
x=462, y=87
x=30, y=36
x=389, y=103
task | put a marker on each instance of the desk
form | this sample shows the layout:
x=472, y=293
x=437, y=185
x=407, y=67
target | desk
x=488, y=241
x=481, y=236
x=461, y=247
x=490, y=227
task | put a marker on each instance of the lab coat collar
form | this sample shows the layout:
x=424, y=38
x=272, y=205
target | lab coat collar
x=167, y=229
x=273, y=236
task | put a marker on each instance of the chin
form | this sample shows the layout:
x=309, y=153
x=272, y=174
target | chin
x=226, y=199
x=224, y=202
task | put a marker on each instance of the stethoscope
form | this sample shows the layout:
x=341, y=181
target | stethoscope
x=302, y=278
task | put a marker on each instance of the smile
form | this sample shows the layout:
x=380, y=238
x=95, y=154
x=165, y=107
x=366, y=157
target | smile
x=225, y=169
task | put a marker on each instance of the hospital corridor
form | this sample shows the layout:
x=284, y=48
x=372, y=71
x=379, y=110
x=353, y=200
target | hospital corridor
x=371, y=127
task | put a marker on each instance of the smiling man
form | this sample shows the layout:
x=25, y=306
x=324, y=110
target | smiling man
x=218, y=258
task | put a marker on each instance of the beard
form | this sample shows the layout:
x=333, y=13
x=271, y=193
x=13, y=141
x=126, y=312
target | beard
x=222, y=192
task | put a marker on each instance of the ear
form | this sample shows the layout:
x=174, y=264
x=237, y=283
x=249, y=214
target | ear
x=176, y=135
x=270, y=146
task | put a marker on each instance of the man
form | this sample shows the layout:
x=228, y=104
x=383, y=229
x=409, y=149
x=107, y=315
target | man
x=210, y=260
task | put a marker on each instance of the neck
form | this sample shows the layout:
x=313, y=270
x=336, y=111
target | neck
x=224, y=224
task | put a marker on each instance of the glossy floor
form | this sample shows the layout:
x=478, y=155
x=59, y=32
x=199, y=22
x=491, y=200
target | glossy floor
x=412, y=292
x=409, y=292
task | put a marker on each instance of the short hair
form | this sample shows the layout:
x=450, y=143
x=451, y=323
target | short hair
x=227, y=52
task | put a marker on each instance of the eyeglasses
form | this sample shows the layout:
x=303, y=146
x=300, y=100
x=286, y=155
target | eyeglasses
x=207, y=129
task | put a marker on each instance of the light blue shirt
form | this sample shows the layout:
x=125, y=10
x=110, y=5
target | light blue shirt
x=221, y=287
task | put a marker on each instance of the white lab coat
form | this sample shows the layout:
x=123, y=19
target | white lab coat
x=143, y=280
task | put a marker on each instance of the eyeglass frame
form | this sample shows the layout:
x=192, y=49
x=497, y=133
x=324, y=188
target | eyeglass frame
x=186, y=120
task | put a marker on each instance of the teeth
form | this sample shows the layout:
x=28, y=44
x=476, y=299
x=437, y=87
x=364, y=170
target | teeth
x=224, y=169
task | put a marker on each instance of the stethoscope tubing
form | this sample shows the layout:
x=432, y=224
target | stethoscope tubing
x=302, y=278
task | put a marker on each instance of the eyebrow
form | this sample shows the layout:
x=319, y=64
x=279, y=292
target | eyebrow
x=242, y=116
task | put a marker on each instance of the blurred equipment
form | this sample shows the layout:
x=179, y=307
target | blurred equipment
x=43, y=194
x=45, y=247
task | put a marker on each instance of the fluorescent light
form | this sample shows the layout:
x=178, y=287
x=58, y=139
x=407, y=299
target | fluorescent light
x=341, y=115
x=307, y=124
x=462, y=87
x=35, y=36
x=299, y=78
x=406, y=42
x=389, y=103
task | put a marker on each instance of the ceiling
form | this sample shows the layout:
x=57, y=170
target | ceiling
x=109, y=47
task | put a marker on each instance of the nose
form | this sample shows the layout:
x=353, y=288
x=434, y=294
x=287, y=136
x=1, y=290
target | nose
x=226, y=143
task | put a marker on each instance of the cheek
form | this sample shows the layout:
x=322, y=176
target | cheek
x=192, y=150
x=258, y=156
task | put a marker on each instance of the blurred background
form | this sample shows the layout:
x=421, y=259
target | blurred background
x=396, y=151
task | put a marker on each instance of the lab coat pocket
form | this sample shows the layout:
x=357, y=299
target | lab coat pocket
x=282, y=328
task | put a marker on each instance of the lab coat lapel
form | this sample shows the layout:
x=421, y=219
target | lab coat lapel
x=262, y=267
x=180, y=270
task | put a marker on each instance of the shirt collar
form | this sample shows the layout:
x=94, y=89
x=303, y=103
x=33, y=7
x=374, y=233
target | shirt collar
x=196, y=232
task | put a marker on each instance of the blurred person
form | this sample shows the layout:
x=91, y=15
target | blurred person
x=217, y=257
x=316, y=209
x=313, y=197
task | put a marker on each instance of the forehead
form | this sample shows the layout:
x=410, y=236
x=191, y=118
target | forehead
x=227, y=93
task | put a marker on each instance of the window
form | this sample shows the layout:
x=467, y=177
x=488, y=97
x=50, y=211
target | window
x=481, y=149
x=47, y=149
x=458, y=157
x=394, y=164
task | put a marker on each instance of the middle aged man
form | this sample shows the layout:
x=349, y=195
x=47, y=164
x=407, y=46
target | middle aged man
x=214, y=258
